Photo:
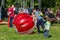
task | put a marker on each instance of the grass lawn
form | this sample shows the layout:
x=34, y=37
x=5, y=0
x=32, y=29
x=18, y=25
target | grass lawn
x=10, y=34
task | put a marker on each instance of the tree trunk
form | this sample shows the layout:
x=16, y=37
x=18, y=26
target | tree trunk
x=39, y=2
x=3, y=3
x=32, y=4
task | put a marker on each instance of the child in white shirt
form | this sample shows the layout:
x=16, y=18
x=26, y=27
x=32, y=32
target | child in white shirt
x=47, y=28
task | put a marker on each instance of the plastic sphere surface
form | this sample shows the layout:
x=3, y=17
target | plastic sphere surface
x=23, y=23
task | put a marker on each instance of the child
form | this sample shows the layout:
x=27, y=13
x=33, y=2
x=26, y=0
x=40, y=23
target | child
x=47, y=28
x=34, y=19
x=11, y=15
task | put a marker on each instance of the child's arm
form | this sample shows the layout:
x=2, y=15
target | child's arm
x=9, y=13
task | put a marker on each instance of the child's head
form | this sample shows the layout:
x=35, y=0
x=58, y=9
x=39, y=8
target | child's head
x=33, y=13
x=34, y=10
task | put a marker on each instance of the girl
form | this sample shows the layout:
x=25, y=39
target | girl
x=34, y=18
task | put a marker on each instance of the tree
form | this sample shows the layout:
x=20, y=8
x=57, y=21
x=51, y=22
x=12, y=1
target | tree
x=48, y=3
x=9, y=2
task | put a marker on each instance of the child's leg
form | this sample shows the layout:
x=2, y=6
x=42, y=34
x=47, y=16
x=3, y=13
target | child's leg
x=8, y=21
x=46, y=33
x=37, y=25
x=42, y=24
x=11, y=19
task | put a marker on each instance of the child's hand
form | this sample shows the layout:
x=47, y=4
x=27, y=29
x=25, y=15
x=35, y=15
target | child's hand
x=9, y=13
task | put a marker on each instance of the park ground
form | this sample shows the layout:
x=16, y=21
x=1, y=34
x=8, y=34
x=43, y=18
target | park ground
x=10, y=34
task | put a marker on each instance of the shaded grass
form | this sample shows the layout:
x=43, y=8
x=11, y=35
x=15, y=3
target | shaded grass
x=10, y=34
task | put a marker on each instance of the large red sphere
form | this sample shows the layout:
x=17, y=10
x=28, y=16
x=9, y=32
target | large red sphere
x=23, y=22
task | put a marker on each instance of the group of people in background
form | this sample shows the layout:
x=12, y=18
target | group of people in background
x=44, y=18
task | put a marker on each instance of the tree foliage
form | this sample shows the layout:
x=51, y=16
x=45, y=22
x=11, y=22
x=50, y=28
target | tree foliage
x=44, y=3
x=9, y=2
x=48, y=3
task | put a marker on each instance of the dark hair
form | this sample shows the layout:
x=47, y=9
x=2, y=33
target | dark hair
x=34, y=9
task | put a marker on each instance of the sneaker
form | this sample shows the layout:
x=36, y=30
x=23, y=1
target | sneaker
x=48, y=36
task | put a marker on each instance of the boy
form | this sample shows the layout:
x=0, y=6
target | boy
x=47, y=28
x=40, y=20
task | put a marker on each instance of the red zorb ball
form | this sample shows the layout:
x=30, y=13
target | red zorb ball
x=23, y=23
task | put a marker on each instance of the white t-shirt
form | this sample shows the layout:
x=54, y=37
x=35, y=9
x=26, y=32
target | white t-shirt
x=47, y=25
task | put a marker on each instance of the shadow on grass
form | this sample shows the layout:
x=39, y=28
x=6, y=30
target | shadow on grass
x=37, y=32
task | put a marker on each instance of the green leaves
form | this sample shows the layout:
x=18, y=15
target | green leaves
x=9, y=2
x=48, y=3
x=44, y=3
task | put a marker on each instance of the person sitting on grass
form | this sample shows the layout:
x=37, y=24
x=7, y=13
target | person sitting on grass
x=58, y=15
x=52, y=17
x=47, y=27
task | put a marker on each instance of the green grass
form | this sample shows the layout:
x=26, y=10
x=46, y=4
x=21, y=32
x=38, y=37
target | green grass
x=10, y=34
